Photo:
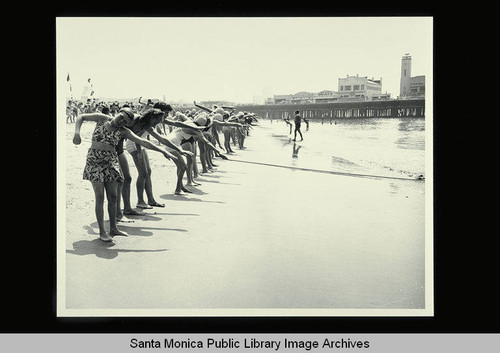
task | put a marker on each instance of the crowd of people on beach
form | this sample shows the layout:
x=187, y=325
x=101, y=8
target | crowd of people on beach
x=183, y=137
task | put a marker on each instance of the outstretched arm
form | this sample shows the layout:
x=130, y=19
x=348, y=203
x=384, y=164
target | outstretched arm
x=145, y=143
x=178, y=123
x=226, y=123
x=97, y=117
x=203, y=107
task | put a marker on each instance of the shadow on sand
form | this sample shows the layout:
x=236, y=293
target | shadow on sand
x=182, y=197
x=135, y=230
x=213, y=181
x=101, y=249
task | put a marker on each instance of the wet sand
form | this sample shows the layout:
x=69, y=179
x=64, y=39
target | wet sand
x=250, y=238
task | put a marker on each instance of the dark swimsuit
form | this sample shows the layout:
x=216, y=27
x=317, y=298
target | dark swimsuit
x=297, y=122
x=191, y=140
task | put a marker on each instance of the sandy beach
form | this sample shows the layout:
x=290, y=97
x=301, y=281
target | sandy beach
x=251, y=237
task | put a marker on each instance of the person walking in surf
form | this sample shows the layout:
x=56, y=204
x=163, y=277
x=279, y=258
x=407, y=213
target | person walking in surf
x=297, y=121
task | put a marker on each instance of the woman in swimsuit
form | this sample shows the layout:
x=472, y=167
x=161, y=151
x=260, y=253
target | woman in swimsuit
x=182, y=136
x=145, y=125
x=102, y=168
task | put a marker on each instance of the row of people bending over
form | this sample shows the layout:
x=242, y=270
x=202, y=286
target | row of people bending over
x=107, y=168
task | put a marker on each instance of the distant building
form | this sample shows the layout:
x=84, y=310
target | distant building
x=303, y=98
x=282, y=98
x=360, y=88
x=326, y=96
x=417, y=86
x=356, y=88
x=410, y=87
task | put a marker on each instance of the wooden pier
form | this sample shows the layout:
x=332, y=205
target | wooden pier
x=339, y=110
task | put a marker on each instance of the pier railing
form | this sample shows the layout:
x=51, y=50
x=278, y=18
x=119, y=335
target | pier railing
x=340, y=110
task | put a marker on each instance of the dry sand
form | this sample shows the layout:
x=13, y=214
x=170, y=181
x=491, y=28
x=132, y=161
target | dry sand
x=250, y=237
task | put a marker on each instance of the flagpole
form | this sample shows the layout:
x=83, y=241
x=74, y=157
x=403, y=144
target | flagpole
x=70, y=89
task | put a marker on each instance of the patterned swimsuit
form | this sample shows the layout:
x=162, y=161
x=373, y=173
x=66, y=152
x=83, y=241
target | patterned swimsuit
x=102, y=165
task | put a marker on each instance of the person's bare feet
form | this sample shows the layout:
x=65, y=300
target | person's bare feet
x=143, y=205
x=132, y=212
x=156, y=204
x=105, y=237
x=115, y=231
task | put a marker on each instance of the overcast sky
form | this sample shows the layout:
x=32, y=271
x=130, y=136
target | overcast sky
x=236, y=59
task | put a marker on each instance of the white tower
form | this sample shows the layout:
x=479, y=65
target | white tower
x=404, y=87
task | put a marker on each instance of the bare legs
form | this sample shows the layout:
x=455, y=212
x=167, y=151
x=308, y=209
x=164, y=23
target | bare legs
x=111, y=190
x=227, y=140
x=181, y=169
x=240, y=136
x=124, y=190
x=190, y=164
x=203, y=157
x=143, y=183
x=297, y=129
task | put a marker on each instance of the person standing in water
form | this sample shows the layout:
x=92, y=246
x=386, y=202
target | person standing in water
x=307, y=124
x=287, y=121
x=297, y=121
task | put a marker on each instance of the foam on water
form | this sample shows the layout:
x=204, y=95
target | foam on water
x=387, y=147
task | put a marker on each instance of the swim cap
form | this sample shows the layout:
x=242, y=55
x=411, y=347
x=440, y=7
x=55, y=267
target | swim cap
x=217, y=117
x=128, y=112
x=200, y=115
x=219, y=110
x=200, y=120
x=203, y=121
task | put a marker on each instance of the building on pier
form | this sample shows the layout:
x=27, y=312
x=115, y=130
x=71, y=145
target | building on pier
x=303, y=98
x=326, y=96
x=410, y=87
x=351, y=88
x=359, y=88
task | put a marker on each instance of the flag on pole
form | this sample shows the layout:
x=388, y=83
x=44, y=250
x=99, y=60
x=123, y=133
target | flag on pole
x=69, y=82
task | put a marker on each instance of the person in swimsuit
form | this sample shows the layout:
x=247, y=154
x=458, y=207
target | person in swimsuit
x=102, y=168
x=145, y=124
x=206, y=154
x=181, y=137
x=307, y=123
x=241, y=133
x=297, y=121
x=174, y=143
x=227, y=131
x=186, y=139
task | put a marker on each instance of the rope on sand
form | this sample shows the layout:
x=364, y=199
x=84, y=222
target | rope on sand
x=420, y=178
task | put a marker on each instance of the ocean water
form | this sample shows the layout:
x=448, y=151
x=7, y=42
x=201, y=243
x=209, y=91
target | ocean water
x=373, y=146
